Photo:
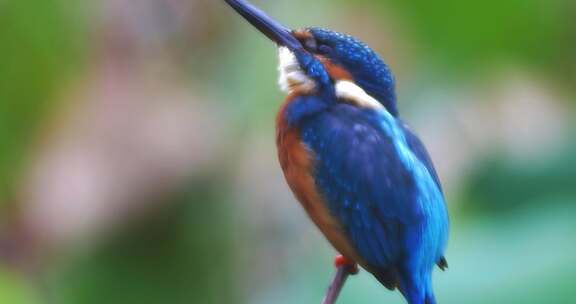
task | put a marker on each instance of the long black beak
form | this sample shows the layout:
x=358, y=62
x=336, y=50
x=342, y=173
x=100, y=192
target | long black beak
x=268, y=26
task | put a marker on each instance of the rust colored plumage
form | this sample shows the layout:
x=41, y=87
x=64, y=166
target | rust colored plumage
x=296, y=162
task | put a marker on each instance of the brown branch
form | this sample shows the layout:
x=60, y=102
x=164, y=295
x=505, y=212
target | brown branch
x=342, y=273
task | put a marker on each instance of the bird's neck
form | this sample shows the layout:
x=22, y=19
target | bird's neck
x=299, y=107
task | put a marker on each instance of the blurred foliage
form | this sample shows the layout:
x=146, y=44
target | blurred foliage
x=513, y=227
x=14, y=289
x=470, y=37
x=498, y=185
x=170, y=255
x=41, y=47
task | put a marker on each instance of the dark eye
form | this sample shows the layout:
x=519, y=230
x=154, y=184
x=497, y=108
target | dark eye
x=310, y=45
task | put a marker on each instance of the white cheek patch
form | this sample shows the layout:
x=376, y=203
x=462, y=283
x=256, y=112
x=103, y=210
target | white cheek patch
x=292, y=78
x=351, y=92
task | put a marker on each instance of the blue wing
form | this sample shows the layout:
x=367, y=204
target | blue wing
x=377, y=179
x=420, y=152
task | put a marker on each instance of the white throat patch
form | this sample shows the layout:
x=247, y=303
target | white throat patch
x=292, y=78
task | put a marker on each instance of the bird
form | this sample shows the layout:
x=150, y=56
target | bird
x=362, y=175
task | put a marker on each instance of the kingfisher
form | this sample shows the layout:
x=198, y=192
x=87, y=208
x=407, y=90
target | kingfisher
x=362, y=175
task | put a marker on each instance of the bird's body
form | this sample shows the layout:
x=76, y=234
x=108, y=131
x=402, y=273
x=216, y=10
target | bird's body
x=364, y=178
x=381, y=211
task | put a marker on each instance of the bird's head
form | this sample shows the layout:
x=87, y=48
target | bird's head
x=321, y=61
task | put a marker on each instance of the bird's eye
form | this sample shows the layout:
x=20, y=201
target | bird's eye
x=310, y=45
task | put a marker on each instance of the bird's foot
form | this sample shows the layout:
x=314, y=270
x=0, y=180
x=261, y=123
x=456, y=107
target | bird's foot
x=342, y=261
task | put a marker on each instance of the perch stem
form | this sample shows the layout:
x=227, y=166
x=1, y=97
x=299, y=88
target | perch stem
x=342, y=273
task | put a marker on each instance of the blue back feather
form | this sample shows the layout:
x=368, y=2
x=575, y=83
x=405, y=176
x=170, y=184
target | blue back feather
x=379, y=182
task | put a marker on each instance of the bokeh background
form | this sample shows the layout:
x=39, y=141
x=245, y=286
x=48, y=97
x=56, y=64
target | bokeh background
x=137, y=157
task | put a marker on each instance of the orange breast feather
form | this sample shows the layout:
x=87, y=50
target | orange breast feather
x=296, y=161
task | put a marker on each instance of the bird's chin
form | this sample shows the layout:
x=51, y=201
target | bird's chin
x=291, y=76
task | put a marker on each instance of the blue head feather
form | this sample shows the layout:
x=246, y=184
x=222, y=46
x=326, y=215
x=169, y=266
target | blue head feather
x=365, y=66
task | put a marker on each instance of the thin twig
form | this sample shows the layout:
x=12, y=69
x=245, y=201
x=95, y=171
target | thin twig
x=337, y=283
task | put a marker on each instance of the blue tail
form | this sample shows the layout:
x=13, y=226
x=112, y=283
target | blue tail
x=417, y=289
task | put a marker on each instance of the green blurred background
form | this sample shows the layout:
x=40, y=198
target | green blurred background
x=137, y=157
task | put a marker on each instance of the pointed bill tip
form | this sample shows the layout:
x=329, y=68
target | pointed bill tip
x=265, y=24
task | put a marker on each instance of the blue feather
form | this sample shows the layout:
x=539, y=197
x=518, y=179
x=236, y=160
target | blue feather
x=379, y=182
x=366, y=67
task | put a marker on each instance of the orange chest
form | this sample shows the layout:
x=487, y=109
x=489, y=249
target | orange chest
x=297, y=162
x=295, y=158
